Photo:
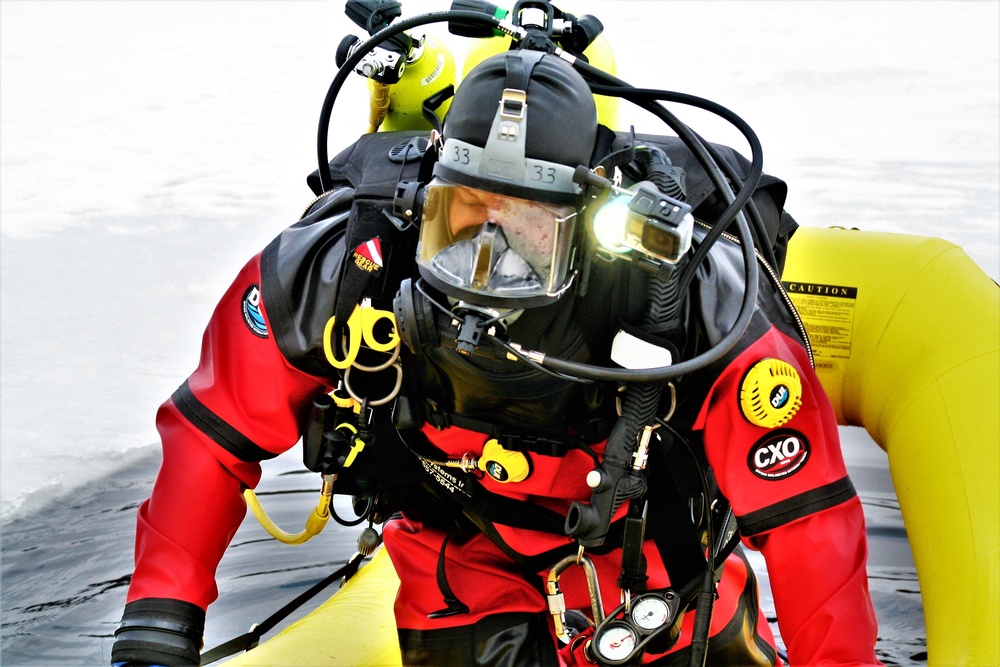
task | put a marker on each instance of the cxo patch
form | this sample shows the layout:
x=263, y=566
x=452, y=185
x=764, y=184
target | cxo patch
x=252, y=315
x=779, y=454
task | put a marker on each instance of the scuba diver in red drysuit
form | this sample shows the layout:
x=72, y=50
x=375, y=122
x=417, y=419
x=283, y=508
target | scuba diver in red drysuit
x=519, y=490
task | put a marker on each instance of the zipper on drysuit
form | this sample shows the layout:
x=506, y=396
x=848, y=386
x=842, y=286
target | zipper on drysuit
x=781, y=289
x=308, y=208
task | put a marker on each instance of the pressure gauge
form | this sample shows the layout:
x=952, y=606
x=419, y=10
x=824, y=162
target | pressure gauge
x=615, y=642
x=650, y=612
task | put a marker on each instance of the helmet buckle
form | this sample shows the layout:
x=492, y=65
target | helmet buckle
x=513, y=103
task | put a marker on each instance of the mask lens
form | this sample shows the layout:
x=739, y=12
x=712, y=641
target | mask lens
x=491, y=234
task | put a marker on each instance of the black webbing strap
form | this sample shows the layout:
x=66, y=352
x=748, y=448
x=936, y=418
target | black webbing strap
x=431, y=104
x=669, y=522
x=471, y=497
x=453, y=606
x=250, y=639
x=519, y=65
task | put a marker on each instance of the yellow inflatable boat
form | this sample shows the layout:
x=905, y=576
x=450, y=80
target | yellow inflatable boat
x=906, y=332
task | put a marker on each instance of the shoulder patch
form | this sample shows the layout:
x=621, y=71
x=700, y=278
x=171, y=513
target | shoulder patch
x=252, y=315
x=778, y=454
x=771, y=393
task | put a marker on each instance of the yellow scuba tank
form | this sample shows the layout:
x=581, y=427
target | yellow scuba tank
x=599, y=54
x=429, y=69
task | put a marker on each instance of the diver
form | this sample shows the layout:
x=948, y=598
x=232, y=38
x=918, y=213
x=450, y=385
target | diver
x=550, y=491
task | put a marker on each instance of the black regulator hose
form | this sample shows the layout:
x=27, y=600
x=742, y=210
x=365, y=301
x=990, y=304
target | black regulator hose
x=622, y=89
x=756, y=165
x=761, y=241
x=710, y=159
x=347, y=68
x=620, y=480
x=666, y=373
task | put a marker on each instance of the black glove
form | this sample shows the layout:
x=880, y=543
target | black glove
x=159, y=631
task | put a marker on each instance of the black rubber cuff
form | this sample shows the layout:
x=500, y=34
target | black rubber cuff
x=159, y=631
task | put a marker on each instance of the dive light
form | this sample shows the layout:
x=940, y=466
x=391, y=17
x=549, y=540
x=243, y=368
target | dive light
x=640, y=219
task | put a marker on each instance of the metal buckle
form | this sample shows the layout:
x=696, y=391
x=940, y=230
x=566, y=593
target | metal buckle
x=513, y=103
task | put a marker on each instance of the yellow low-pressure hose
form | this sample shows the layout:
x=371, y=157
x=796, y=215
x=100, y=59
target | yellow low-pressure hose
x=378, y=105
x=314, y=524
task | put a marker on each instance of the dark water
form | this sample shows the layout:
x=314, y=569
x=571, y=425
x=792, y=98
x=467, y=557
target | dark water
x=65, y=570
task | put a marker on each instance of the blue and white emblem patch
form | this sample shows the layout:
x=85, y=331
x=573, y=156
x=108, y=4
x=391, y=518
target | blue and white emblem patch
x=251, y=312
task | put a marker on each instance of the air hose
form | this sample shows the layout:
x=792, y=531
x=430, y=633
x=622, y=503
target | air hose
x=620, y=476
x=314, y=524
x=378, y=105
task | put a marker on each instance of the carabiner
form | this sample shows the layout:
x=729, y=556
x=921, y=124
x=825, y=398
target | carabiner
x=557, y=603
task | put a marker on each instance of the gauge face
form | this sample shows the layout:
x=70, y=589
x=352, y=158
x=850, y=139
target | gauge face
x=616, y=641
x=649, y=613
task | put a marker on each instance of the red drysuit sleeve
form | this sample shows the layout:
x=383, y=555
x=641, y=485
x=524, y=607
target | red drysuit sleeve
x=817, y=571
x=789, y=489
x=240, y=406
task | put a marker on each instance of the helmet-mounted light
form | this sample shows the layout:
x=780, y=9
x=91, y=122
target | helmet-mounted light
x=644, y=220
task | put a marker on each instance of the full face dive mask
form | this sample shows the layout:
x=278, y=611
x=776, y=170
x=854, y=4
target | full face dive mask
x=499, y=226
x=495, y=250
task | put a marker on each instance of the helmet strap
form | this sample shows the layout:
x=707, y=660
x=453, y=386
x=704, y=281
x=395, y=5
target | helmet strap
x=506, y=143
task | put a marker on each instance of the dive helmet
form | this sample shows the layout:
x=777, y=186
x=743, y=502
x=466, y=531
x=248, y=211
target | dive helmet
x=499, y=225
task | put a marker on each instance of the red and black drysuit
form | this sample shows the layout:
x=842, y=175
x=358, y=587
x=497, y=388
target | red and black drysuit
x=467, y=588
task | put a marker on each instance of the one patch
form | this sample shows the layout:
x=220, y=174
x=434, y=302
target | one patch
x=771, y=393
x=252, y=314
x=778, y=454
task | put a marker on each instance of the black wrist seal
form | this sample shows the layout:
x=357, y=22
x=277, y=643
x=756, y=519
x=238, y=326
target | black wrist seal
x=159, y=631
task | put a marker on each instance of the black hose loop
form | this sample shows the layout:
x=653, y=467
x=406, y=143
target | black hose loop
x=326, y=111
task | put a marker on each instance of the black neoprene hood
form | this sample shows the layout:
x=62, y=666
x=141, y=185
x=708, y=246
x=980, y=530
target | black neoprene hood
x=561, y=116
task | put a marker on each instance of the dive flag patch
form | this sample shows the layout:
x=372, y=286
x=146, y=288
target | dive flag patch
x=252, y=315
x=368, y=256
